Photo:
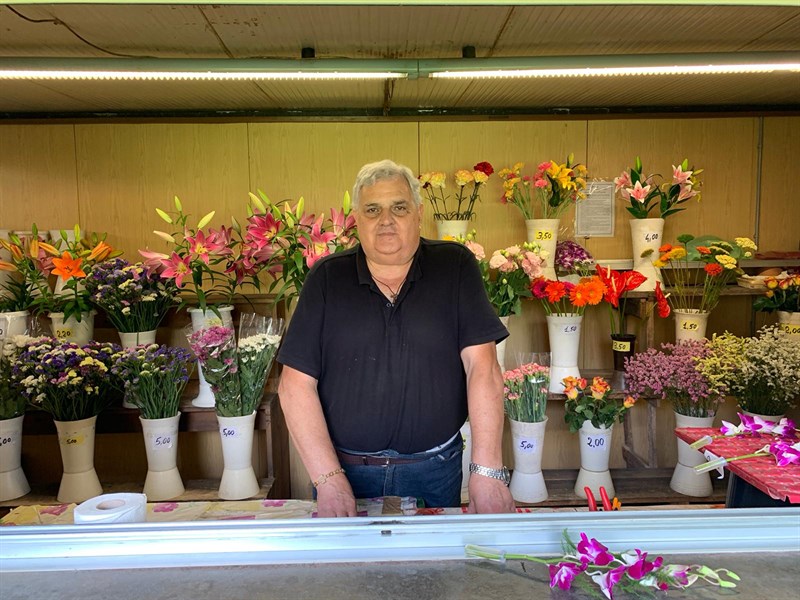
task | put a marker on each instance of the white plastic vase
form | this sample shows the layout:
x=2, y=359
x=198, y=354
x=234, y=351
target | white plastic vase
x=137, y=338
x=690, y=324
x=685, y=480
x=647, y=234
x=238, y=477
x=13, y=482
x=466, y=458
x=200, y=320
x=452, y=229
x=13, y=323
x=501, y=347
x=76, y=442
x=545, y=233
x=527, y=481
x=564, y=332
x=163, y=481
x=595, y=446
x=72, y=330
x=789, y=323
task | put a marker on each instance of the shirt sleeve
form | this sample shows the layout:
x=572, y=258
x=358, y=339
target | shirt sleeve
x=478, y=322
x=302, y=344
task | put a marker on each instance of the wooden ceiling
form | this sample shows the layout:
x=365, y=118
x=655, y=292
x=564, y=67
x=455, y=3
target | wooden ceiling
x=228, y=31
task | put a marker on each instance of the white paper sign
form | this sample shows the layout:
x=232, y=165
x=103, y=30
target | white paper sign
x=160, y=441
x=594, y=216
x=526, y=446
x=229, y=432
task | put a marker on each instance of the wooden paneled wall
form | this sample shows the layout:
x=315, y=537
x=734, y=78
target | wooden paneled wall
x=111, y=177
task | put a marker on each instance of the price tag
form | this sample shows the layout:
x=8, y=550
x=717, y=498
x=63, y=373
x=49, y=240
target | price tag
x=63, y=333
x=526, y=446
x=7, y=440
x=160, y=441
x=229, y=432
x=620, y=346
x=690, y=325
x=789, y=328
x=570, y=329
x=72, y=439
x=651, y=237
x=543, y=235
x=596, y=442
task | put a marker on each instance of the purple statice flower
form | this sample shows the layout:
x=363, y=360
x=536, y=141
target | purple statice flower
x=671, y=373
x=573, y=258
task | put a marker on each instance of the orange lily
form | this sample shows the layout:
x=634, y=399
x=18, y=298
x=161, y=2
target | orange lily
x=68, y=267
x=51, y=250
x=100, y=252
x=7, y=266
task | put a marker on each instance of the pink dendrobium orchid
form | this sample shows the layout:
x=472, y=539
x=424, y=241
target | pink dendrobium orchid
x=638, y=565
x=729, y=429
x=785, y=453
x=608, y=580
x=593, y=551
x=562, y=574
x=785, y=428
x=176, y=268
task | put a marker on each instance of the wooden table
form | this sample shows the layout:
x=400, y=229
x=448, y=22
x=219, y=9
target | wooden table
x=777, y=486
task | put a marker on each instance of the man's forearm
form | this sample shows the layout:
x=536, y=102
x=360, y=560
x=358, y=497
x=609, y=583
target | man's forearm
x=485, y=404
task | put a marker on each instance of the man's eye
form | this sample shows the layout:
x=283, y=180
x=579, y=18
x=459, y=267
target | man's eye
x=400, y=209
x=373, y=210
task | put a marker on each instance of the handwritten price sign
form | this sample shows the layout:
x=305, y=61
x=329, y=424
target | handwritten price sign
x=619, y=346
x=690, y=326
x=543, y=235
x=526, y=446
x=570, y=329
x=160, y=442
x=789, y=328
x=596, y=442
x=229, y=432
x=73, y=439
x=7, y=440
x=63, y=333
x=651, y=236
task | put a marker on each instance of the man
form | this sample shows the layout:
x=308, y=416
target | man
x=392, y=342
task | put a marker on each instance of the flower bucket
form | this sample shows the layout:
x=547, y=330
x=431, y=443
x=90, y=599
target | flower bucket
x=690, y=324
x=201, y=319
x=451, y=229
x=773, y=418
x=163, y=481
x=13, y=483
x=623, y=345
x=238, y=477
x=789, y=323
x=76, y=442
x=501, y=347
x=685, y=480
x=564, y=332
x=545, y=233
x=466, y=458
x=137, y=338
x=647, y=234
x=595, y=446
x=72, y=330
x=527, y=481
x=13, y=323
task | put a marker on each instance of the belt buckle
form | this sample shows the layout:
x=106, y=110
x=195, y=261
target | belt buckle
x=387, y=461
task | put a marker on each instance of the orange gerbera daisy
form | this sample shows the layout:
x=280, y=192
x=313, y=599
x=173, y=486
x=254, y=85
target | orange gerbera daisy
x=555, y=291
x=703, y=250
x=67, y=267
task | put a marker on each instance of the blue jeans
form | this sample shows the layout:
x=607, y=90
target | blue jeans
x=436, y=479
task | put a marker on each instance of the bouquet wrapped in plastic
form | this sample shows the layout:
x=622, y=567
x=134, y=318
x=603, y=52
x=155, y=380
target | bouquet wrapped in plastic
x=237, y=373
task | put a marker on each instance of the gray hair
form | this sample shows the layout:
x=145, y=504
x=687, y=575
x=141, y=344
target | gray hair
x=372, y=173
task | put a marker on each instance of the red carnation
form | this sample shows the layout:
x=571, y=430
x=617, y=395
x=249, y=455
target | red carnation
x=484, y=167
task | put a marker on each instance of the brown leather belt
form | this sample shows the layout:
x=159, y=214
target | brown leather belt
x=375, y=461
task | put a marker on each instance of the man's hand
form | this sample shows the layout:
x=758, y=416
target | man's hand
x=335, y=498
x=488, y=496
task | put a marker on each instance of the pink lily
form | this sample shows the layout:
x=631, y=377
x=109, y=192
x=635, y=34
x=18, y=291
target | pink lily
x=623, y=181
x=220, y=239
x=262, y=228
x=316, y=245
x=679, y=176
x=154, y=261
x=176, y=268
x=200, y=245
x=342, y=224
x=686, y=193
x=639, y=193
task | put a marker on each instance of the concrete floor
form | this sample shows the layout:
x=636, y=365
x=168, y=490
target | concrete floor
x=764, y=577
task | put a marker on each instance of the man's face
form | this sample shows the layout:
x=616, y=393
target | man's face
x=388, y=222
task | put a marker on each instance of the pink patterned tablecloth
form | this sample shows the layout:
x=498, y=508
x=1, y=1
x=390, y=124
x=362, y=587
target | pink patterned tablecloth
x=780, y=483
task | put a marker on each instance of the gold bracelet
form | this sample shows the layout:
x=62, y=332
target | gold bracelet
x=323, y=478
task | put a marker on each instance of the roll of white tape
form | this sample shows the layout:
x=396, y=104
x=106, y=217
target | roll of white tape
x=112, y=508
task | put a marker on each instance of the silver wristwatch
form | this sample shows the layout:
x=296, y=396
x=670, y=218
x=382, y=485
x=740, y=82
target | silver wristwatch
x=501, y=474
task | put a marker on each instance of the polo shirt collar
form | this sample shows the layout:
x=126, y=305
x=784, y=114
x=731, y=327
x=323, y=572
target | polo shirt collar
x=365, y=277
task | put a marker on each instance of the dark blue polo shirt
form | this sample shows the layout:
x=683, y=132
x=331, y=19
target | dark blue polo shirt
x=390, y=376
